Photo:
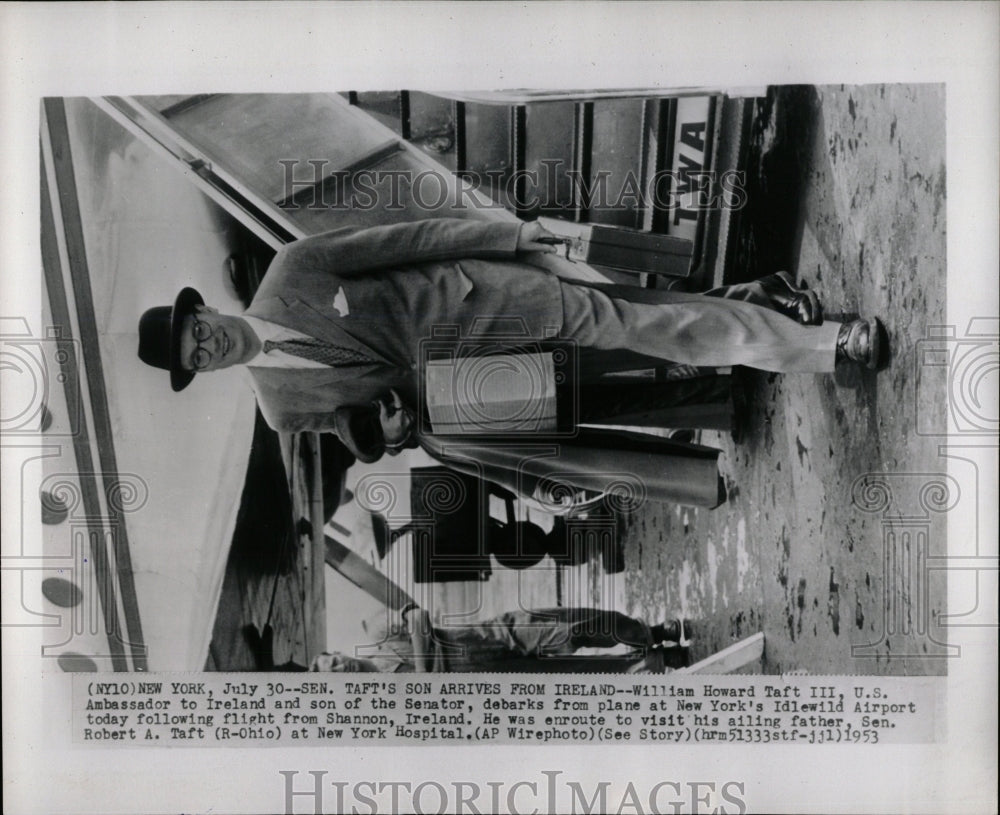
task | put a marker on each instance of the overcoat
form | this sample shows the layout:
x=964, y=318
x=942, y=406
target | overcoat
x=630, y=467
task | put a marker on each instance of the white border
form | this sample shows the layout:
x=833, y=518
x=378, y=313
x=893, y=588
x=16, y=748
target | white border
x=76, y=49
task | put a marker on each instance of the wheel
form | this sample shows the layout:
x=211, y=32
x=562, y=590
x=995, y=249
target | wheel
x=518, y=545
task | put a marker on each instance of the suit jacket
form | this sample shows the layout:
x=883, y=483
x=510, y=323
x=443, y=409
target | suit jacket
x=381, y=291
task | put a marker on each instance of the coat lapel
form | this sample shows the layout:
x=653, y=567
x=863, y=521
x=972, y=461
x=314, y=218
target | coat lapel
x=295, y=399
x=298, y=315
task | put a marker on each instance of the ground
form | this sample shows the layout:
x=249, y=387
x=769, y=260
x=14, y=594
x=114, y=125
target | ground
x=848, y=193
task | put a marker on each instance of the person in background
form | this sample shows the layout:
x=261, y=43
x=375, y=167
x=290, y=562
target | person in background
x=509, y=642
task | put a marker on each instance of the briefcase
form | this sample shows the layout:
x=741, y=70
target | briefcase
x=623, y=249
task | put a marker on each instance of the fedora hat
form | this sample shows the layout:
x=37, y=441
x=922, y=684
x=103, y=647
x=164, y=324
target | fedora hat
x=360, y=430
x=160, y=336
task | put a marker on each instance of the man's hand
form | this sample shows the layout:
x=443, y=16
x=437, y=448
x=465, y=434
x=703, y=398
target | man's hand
x=530, y=238
x=396, y=421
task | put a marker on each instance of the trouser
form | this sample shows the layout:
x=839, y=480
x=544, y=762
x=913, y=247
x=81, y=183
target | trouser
x=695, y=329
x=700, y=402
x=537, y=633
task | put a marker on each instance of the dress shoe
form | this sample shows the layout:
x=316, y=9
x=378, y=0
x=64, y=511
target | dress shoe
x=861, y=341
x=802, y=305
x=678, y=631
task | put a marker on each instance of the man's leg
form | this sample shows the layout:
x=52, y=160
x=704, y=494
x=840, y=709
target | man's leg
x=698, y=330
x=750, y=292
x=778, y=291
x=703, y=402
x=551, y=631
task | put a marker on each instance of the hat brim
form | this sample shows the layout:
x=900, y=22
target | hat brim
x=187, y=300
x=360, y=432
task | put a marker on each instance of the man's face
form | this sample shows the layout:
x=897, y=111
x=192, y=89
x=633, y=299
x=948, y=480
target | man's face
x=211, y=341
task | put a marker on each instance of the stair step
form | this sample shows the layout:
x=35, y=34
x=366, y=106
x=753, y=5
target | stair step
x=432, y=126
x=489, y=147
x=381, y=105
x=617, y=148
x=591, y=161
x=550, y=129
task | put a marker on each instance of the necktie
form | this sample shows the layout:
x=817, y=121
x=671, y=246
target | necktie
x=315, y=350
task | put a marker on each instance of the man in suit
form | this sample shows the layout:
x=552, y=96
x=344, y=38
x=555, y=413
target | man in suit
x=369, y=297
x=515, y=641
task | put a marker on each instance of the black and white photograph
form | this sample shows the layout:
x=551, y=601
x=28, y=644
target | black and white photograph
x=587, y=388
x=598, y=370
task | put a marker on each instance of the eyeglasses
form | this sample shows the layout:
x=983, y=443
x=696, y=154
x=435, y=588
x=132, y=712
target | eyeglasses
x=202, y=357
